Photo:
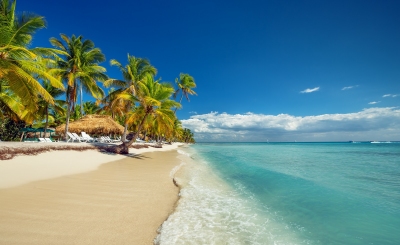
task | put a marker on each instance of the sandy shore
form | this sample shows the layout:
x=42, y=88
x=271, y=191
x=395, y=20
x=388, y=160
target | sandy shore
x=89, y=197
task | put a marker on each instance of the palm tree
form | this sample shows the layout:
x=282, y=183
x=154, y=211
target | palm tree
x=133, y=74
x=20, y=67
x=45, y=108
x=75, y=114
x=185, y=84
x=110, y=106
x=154, y=101
x=90, y=107
x=177, y=130
x=187, y=136
x=10, y=104
x=79, y=68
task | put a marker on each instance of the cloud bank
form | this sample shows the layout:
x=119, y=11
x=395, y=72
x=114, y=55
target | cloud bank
x=368, y=124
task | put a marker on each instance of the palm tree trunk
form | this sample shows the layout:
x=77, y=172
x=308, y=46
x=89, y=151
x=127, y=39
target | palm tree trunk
x=81, y=99
x=124, y=134
x=67, y=124
x=180, y=102
x=68, y=115
x=47, y=120
x=124, y=147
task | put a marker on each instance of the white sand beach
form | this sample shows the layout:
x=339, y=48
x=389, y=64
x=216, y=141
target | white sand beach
x=88, y=197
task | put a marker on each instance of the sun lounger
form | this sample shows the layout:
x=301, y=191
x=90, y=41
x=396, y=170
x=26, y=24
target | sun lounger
x=111, y=140
x=48, y=140
x=42, y=140
x=87, y=137
x=31, y=140
x=72, y=138
x=79, y=137
x=103, y=139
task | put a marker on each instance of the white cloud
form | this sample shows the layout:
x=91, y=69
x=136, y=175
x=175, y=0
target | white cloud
x=373, y=102
x=310, y=90
x=193, y=112
x=390, y=95
x=349, y=87
x=368, y=124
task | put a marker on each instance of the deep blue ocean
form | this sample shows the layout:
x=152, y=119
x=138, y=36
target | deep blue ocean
x=287, y=193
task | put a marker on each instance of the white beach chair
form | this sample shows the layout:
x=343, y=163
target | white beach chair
x=79, y=137
x=87, y=137
x=72, y=138
x=111, y=140
x=42, y=140
x=104, y=139
x=48, y=140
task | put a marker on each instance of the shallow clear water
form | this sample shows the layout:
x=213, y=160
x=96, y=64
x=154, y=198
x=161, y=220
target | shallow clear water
x=288, y=193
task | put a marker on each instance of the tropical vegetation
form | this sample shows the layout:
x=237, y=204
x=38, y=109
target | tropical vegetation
x=44, y=87
x=79, y=67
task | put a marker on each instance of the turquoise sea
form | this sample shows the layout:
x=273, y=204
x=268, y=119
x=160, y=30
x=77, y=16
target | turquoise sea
x=287, y=193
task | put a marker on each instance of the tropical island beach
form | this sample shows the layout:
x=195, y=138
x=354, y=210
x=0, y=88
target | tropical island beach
x=293, y=139
x=86, y=197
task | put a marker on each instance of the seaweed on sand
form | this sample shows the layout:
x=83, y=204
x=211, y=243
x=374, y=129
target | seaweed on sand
x=7, y=153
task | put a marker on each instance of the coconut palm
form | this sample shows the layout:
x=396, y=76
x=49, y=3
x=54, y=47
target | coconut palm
x=110, y=106
x=154, y=101
x=133, y=74
x=79, y=68
x=10, y=104
x=90, y=107
x=45, y=108
x=20, y=66
x=185, y=85
x=177, y=130
x=187, y=136
x=75, y=114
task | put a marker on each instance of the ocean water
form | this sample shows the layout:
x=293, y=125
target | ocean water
x=287, y=193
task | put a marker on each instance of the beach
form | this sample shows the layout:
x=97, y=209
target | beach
x=87, y=197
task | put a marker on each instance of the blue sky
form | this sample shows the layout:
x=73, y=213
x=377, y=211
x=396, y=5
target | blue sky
x=265, y=70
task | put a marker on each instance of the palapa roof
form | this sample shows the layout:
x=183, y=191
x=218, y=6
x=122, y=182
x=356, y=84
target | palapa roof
x=93, y=124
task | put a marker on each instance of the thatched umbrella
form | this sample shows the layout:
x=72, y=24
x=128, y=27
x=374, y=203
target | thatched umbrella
x=93, y=124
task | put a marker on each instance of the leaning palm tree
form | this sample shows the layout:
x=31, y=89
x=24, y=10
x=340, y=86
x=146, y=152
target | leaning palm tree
x=133, y=74
x=79, y=68
x=154, y=101
x=185, y=85
x=20, y=66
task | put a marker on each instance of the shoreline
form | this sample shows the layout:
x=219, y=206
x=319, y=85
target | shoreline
x=88, y=197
